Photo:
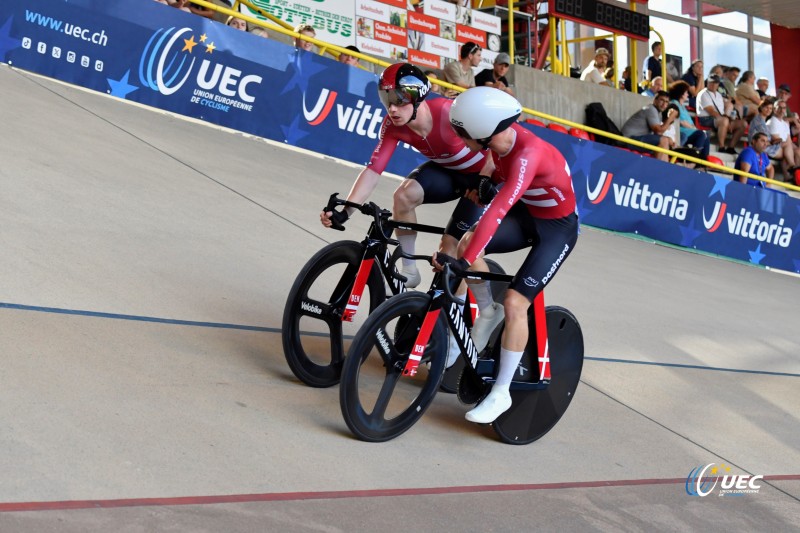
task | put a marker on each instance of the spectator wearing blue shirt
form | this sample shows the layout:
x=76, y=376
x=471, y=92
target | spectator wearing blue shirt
x=754, y=160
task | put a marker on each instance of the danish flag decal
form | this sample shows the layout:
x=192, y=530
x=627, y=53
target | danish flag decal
x=717, y=217
x=600, y=190
x=321, y=109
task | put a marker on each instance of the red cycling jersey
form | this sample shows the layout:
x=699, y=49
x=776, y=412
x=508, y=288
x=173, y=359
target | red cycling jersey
x=441, y=146
x=534, y=172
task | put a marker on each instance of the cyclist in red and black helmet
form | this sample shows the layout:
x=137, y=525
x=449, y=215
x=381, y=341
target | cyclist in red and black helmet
x=451, y=172
x=453, y=169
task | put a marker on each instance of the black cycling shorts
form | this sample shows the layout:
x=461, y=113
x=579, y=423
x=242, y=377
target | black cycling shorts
x=441, y=185
x=550, y=241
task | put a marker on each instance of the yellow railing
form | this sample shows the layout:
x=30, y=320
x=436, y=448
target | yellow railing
x=282, y=27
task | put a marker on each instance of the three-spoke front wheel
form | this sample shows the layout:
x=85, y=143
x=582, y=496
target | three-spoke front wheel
x=378, y=402
x=313, y=330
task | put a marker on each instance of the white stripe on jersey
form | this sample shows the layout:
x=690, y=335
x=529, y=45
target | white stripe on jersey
x=540, y=203
x=460, y=155
x=477, y=157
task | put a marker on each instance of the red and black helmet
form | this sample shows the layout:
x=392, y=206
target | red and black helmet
x=403, y=83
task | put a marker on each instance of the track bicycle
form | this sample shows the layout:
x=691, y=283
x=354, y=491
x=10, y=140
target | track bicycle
x=390, y=378
x=333, y=285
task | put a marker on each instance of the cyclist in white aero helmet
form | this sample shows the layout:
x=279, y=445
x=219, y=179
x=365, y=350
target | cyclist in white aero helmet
x=535, y=209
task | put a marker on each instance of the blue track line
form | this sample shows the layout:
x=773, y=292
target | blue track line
x=157, y=320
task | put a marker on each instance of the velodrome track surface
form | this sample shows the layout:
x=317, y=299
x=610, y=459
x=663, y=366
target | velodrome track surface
x=146, y=260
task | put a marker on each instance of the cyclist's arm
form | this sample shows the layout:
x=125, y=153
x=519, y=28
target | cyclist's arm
x=488, y=165
x=499, y=208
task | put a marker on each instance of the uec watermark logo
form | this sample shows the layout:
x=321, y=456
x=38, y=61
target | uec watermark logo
x=161, y=65
x=702, y=481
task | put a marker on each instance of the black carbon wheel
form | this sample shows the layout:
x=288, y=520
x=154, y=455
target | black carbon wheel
x=535, y=412
x=378, y=402
x=312, y=329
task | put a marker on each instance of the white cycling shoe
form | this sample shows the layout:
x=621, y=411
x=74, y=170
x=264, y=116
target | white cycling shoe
x=495, y=404
x=413, y=277
x=485, y=324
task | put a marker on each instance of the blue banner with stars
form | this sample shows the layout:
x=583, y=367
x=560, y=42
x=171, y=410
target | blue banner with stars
x=166, y=58
x=179, y=62
x=623, y=191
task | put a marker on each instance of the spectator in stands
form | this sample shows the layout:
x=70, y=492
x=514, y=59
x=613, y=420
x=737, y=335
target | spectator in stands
x=755, y=161
x=205, y=12
x=728, y=91
x=183, y=5
x=694, y=78
x=236, y=23
x=784, y=93
x=656, y=85
x=431, y=77
x=780, y=135
x=260, y=31
x=308, y=31
x=496, y=76
x=460, y=72
x=713, y=112
x=347, y=59
x=625, y=82
x=759, y=122
x=748, y=96
x=647, y=126
x=689, y=134
x=596, y=71
x=652, y=65
x=761, y=86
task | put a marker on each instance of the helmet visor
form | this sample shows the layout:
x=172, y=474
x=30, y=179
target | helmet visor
x=396, y=97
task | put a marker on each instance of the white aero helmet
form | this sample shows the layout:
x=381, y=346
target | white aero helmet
x=481, y=112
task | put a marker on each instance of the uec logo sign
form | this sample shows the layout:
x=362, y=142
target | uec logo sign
x=165, y=68
x=697, y=484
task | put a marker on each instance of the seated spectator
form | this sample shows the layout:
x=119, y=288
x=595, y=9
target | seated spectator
x=596, y=71
x=748, y=96
x=761, y=86
x=694, y=78
x=780, y=134
x=205, y=12
x=183, y=5
x=646, y=125
x=236, y=23
x=728, y=90
x=656, y=85
x=347, y=59
x=496, y=76
x=755, y=161
x=625, y=82
x=784, y=93
x=260, y=31
x=431, y=77
x=460, y=72
x=759, y=122
x=308, y=31
x=689, y=134
x=713, y=111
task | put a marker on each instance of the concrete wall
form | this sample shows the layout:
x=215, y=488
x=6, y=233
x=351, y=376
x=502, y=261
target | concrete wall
x=567, y=97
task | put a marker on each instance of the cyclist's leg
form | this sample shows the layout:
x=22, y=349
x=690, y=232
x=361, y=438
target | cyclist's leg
x=428, y=183
x=556, y=240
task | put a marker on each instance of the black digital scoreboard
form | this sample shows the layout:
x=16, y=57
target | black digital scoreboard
x=616, y=18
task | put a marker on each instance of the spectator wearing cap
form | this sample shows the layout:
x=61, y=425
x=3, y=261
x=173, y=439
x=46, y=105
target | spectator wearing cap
x=347, y=59
x=596, y=71
x=762, y=84
x=496, y=76
x=784, y=93
x=713, y=112
x=308, y=31
x=460, y=72
x=694, y=77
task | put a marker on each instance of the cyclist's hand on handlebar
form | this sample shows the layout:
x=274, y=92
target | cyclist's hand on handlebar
x=458, y=266
x=334, y=219
x=483, y=193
